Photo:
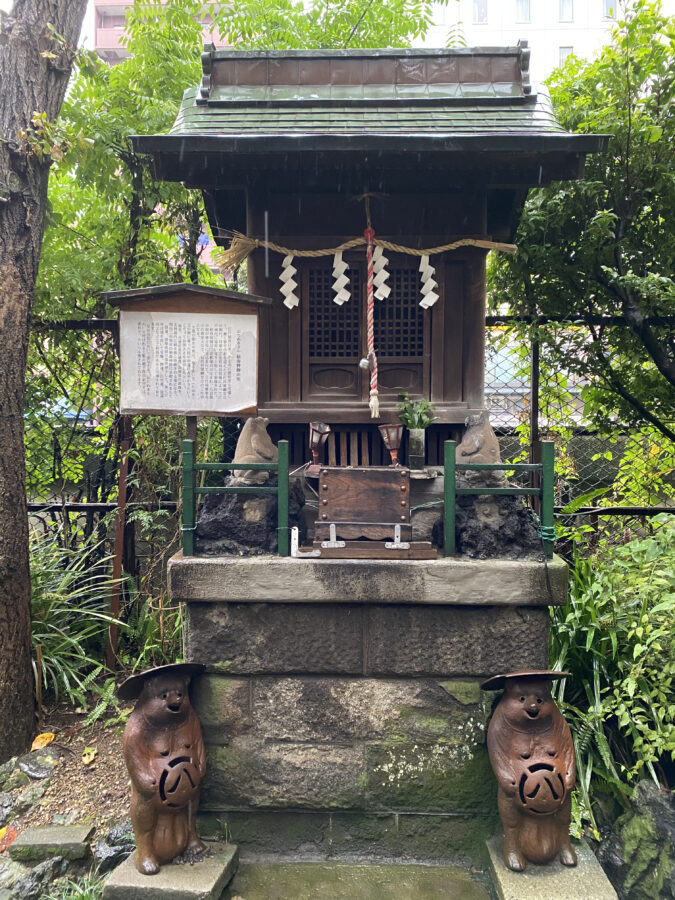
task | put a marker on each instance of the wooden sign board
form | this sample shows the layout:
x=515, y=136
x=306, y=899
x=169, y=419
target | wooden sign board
x=187, y=355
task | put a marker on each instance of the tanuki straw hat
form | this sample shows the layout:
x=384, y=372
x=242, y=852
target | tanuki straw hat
x=132, y=687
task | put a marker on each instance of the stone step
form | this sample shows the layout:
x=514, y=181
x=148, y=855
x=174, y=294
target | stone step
x=205, y=880
x=585, y=881
x=343, y=881
x=43, y=842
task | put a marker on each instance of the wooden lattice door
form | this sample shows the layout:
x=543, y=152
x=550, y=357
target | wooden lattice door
x=334, y=338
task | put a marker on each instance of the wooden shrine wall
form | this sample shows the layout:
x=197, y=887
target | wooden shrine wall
x=309, y=355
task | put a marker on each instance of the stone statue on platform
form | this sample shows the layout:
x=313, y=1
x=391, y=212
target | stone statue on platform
x=532, y=756
x=164, y=753
x=254, y=446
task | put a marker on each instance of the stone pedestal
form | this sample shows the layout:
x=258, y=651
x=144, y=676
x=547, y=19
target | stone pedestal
x=341, y=707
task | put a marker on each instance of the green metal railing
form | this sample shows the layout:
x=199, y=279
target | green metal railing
x=545, y=491
x=191, y=491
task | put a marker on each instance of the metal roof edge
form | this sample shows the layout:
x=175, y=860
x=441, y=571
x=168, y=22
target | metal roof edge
x=502, y=142
x=373, y=53
x=163, y=290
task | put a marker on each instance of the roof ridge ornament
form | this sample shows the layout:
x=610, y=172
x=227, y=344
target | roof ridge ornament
x=207, y=67
x=525, y=51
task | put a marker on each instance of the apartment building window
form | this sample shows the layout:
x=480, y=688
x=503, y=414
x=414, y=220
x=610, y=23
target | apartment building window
x=563, y=53
x=566, y=10
x=522, y=10
x=480, y=12
x=609, y=9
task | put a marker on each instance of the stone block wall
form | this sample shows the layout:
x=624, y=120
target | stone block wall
x=337, y=728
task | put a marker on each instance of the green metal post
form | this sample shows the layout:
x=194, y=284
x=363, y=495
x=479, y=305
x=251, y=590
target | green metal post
x=282, y=499
x=188, y=523
x=547, y=495
x=449, y=497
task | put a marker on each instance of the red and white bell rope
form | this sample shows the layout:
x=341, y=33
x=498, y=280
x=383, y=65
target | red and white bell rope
x=374, y=402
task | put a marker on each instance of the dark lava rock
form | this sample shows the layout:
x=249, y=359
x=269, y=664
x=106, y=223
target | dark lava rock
x=6, y=805
x=486, y=527
x=34, y=885
x=118, y=844
x=244, y=524
x=41, y=763
x=493, y=526
x=639, y=856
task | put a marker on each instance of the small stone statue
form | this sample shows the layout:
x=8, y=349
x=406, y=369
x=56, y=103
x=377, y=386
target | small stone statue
x=532, y=756
x=480, y=445
x=164, y=753
x=254, y=446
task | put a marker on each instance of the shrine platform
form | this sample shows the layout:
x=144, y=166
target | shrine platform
x=341, y=706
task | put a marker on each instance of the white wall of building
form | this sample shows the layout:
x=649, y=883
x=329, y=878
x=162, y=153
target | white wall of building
x=546, y=34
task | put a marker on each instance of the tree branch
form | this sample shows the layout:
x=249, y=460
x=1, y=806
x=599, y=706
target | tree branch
x=617, y=385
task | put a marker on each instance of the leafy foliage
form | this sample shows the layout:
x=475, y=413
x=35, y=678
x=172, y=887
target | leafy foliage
x=605, y=245
x=616, y=635
x=415, y=413
x=70, y=597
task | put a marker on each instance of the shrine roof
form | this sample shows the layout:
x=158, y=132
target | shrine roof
x=130, y=295
x=389, y=100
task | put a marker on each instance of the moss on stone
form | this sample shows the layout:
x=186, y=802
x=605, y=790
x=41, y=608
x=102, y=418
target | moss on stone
x=443, y=777
x=648, y=861
x=467, y=693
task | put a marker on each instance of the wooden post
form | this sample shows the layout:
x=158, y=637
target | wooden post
x=191, y=428
x=449, y=496
x=547, y=495
x=111, y=649
x=188, y=517
x=282, y=500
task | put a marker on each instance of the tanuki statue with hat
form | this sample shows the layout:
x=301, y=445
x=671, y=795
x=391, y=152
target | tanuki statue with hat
x=164, y=753
x=532, y=756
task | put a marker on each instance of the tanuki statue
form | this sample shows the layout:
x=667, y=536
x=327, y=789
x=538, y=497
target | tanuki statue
x=164, y=753
x=532, y=756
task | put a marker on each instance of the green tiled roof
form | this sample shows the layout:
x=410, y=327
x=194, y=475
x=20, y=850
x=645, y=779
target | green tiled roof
x=338, y=117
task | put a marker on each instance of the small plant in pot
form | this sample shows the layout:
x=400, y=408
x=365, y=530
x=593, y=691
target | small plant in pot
x=416, y=415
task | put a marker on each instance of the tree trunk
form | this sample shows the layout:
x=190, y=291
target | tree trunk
x=29, y=83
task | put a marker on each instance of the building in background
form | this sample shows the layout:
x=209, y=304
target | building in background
x=108, y=27
x=552, y=28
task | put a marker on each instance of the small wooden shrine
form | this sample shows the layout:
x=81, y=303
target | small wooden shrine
x=284, y=146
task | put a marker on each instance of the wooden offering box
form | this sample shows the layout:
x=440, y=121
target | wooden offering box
x=365, y=513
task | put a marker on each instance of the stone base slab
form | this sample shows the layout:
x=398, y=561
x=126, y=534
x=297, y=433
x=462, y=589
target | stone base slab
x=585, y=881
x=205, y=880
x=275, y=579
x=318, y=881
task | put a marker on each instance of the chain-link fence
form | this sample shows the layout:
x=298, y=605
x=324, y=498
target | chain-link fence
x=613, y=484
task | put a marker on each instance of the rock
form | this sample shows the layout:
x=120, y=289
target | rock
x=41, y=763
x=639, y=855
x=6, y=769
x=495, y=526
x=16, y=780
x=239, y=524
x=29, y=796
x=23, y=883
x=117, y=846
x=7, y=803
x=486, y=527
